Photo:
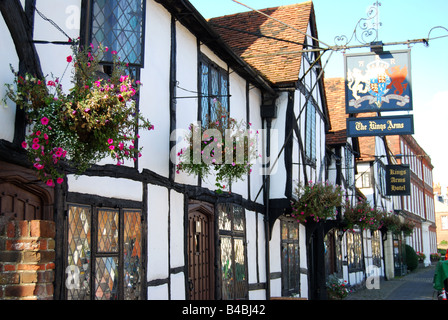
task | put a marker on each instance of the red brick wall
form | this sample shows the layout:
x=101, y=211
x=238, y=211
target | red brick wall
x=27, y=260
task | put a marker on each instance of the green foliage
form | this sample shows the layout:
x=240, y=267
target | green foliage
x=411, y=258
x=222, y=146
x=95, y=119
x=337, y=288
x=316, y=201
x=362, y=215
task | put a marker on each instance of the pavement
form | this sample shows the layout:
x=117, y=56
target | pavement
x=417, y=285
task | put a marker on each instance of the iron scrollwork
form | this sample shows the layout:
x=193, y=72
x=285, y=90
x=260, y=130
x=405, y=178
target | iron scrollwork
x=366, y=30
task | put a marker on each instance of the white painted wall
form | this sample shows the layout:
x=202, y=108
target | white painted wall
x=154, y=102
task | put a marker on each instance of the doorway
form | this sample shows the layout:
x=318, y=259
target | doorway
x=201, y=273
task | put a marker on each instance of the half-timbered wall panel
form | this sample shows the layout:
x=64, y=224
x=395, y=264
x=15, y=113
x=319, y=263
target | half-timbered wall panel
x=154, y=95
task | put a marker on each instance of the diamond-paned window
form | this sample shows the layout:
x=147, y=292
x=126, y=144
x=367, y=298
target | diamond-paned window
x=118, y=25
x=213, y=82
x=232, y=238
x=104, y=253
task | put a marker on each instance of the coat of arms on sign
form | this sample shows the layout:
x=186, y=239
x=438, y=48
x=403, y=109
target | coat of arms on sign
x=377, y=83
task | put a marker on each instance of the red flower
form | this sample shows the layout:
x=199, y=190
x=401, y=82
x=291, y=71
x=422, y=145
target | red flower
x=69, y=59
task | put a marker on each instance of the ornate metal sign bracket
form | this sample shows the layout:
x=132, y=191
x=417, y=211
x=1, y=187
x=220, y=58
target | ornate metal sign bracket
x=366, y=30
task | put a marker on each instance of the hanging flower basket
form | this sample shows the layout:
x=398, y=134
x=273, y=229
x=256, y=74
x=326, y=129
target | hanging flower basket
x=222, y=147
x=316, y=201
x=95, y=119
x=391, y=223
x=362, y=215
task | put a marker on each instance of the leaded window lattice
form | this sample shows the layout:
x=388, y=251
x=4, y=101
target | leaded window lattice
x=290, y=258
x=213, y=83
x=232, y=241
x=105, y=252
x=118, y=24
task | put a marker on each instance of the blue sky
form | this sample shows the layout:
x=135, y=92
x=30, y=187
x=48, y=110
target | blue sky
x=401, y=21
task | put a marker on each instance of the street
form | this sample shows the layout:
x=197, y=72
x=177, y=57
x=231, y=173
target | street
x=417, y=285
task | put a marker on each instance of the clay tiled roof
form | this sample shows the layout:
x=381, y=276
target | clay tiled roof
x=254, y=37
x=334, y=88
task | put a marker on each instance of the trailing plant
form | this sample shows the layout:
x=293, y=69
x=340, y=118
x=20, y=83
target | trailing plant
x=362, y=215
x=407, y=227
x=96, y=118
x=421, y=256
x=316, y=201
x=391, y=222
x=222, y=146
x=337, y=288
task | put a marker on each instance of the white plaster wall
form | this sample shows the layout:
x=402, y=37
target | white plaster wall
x=154, y=101
x=256, y=177
x=106, y=187
x=157, y=233
x=261, y=248
x=251, y=238
x=8, y=56
x=278, y=173
x=177, y=254
x=178, y=286
x=186, y=108
x=275, y=259
x=257, y=295
x=158, y=293
x=238, y=112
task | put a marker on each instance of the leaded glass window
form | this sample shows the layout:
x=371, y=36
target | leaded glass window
x=310, y=134
x=233, y=252
x=104, y=253
x=118, y=25
x=213, y=83
x=290, y=258
x=354, y=251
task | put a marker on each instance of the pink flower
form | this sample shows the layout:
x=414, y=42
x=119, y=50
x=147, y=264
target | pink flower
x=35, y=146
x=51, y=83
x=44, y=121
x=69, y=59
x=114, y=52
x=111, y=147
x=36, y=140
x=110, y=141
x=98, y=83
x=50, y=183
x=121, y=145
x=60, y=180
x=24, y=145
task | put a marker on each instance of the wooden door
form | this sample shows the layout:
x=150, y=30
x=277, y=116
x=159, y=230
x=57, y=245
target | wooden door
x=201, y=279
x=19, y=204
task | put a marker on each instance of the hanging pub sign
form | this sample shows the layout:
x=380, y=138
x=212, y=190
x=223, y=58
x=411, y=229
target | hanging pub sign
x=378, y=82
x=398, y=180
x=380, y=126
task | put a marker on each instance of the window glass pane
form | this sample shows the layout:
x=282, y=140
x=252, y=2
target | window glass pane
x=132, y=255
x=106, y=278
x=79, y=249
x=204, y=91
x=107, y=231
x=225, y=222
x=310, y=137
x=118, y=24
x=240, y=270
x=238, y=218
x=227, y=268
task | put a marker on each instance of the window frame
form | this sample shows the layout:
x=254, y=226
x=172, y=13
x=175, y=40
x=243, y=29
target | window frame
x=288, y=291
x=207, y=99
x=95, y=205
x=310, y=133
x=87, y=29
x=233, y=234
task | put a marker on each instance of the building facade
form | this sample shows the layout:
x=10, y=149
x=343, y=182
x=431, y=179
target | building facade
x=141, y=230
